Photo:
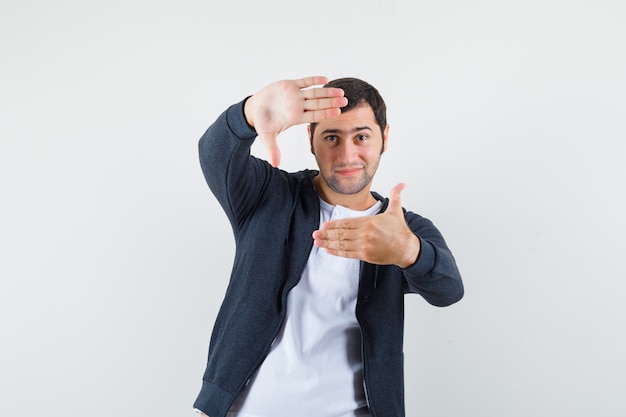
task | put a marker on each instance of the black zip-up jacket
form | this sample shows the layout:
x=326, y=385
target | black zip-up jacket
x=273, y=215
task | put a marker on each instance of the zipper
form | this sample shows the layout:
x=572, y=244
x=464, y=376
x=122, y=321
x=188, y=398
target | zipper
x=367, y=400
x=360, y=299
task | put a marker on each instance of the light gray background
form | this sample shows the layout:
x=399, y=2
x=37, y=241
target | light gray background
x=507, y=124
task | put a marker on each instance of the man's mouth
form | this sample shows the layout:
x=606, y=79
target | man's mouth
x=348, y=172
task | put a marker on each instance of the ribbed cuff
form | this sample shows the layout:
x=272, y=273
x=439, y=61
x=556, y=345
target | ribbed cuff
x=237, y=122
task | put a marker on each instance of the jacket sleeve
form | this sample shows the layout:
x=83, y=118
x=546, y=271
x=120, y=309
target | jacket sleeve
x=434, y=275
x=236, y=178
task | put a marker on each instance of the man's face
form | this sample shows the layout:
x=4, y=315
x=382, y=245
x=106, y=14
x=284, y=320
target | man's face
x=348, y=149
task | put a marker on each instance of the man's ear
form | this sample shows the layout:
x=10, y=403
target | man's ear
x=308, y=130
x=385, y=139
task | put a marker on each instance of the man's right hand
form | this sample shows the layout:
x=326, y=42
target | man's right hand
x=287, y=103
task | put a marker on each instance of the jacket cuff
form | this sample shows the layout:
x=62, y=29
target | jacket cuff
x=425, y=260
x=237, y=122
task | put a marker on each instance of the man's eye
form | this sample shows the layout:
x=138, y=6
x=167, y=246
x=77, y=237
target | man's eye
x=331, y=138
x=361, y=138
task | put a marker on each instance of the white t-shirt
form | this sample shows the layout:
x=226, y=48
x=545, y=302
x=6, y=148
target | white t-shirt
x=314, y=368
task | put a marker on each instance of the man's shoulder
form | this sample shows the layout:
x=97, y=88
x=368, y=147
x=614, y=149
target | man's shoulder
x=303, y=178
x=283, y=184
x=305, y=173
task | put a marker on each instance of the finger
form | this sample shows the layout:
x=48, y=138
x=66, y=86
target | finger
x=322, y=92
x=353, y=223
x=325, y=103
x=335, y=244
x=395, y=204
x=342, y=245
x=335, y=234
x=343, y=253
x=272, y=149
x=310, y=81
x=315, y=116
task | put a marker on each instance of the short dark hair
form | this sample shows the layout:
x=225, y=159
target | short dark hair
x=358, y=92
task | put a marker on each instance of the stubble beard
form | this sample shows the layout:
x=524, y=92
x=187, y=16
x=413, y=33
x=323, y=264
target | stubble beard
x=348, y=187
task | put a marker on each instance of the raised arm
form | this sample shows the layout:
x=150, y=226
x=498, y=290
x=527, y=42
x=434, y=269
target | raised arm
x=237, y=179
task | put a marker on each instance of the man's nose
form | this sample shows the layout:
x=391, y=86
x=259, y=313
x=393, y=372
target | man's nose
x=346, y=152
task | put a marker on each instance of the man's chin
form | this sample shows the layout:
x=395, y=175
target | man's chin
x=347, y=186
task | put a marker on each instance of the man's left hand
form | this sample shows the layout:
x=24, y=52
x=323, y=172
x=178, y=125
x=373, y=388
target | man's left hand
x=384, y=239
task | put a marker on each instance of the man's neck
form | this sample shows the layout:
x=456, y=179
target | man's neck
x=360, y=201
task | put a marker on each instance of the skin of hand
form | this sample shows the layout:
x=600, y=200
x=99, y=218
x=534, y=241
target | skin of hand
x=383, y=239
x=287, y=103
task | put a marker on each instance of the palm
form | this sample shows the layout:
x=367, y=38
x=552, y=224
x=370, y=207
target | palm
x=282, y=106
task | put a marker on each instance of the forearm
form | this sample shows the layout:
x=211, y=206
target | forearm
x=228, y=136
x=233, y=176
x=434, y=275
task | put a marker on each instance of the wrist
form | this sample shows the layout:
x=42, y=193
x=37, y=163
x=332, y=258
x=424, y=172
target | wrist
x=247, y=111
x=411, y=253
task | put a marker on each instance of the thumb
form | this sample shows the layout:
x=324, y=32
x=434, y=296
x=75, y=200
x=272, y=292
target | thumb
x=272, y=149
x=395, y=205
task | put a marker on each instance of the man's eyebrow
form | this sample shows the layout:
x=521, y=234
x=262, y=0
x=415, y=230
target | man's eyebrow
x=340, y=131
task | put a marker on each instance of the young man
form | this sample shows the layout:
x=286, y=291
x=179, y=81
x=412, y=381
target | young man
x=312, y=320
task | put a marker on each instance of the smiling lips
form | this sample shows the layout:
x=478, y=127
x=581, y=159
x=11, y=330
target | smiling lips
x=349, y=171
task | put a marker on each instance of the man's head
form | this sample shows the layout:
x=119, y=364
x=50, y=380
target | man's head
x=359, y=92
x=348, y=148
